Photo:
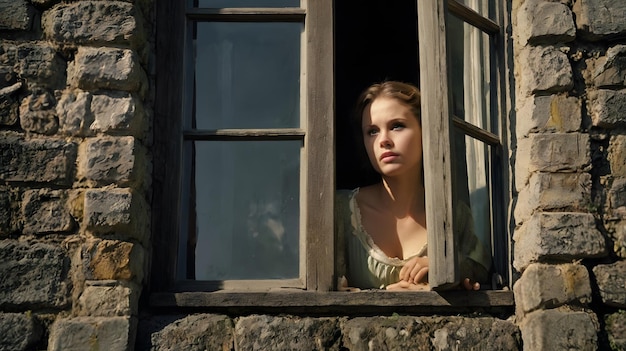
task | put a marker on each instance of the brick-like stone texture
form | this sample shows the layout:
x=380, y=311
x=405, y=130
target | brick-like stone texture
x=16, y=15
x=36, y=160
x=40, y=63
x=74, y=112
x=606, y=107
x=19, y=331
x=555, y=152
x=92, y=333
x=106, y=68
x=557, y=236
x=552, y=113
x=616, y=330
x=118, y=211
x=611, y=279
x=33, y=275
x=38, y=113
x=559, y=329
x=108, y=299
x=196, y=332
x=548, y=286
x=609, y=70
x=598, y=19
x=9, y=102
x=541, y=21
x=544, y=69
x=563, y=192
x=116, y=112
x=617, y=155
x=112, y=160
x=45, y=211
x=113, y=260
x=94, y=22
x=7, y=211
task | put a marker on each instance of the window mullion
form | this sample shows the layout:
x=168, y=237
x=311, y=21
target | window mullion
x=437, y=146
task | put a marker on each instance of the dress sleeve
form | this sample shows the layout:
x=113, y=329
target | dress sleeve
x=342, y=211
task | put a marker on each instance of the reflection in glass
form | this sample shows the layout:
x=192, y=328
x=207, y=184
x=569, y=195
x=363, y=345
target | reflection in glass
x=248, y=208
x=470, y=66
x=247, y=75
x=248, y=3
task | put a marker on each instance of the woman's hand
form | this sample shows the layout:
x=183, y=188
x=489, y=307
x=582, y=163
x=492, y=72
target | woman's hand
x=468, y=285
x=415, y=271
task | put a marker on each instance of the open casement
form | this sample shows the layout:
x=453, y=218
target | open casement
x=467, y=115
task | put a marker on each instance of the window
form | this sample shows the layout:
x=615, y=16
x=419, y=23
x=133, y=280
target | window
x=245, y=166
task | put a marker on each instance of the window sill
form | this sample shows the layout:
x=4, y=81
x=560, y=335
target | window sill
x=363, y=302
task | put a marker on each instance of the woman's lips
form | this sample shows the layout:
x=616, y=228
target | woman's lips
x=388, y=156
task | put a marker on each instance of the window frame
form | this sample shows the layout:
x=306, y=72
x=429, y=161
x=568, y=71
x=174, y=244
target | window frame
x=320, y=279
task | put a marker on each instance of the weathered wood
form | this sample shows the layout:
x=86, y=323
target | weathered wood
x=472, y=17
x=319, y=143
x=248, y=14
x=370, y=301
x=436, y=140
x=476, y=132
x=245, y=134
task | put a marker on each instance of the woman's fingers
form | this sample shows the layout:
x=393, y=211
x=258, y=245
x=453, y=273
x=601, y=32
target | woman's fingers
x=468, y=285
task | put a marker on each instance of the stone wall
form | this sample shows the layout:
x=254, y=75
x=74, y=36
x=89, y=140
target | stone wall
x=569, y=133
x=75, y=119
x=76, y=86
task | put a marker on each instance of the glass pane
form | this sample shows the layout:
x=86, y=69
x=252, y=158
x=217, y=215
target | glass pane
x=247, y=75
x=472, y=199
x=248, y=210
x=480, y=6
x=470, y=68
x=249, y=3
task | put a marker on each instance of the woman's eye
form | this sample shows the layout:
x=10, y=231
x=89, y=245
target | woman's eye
x=397, y=126
x=371, y=132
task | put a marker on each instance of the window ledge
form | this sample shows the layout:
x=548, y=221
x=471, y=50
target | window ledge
x=363, y=302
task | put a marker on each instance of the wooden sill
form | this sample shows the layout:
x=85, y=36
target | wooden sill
x=351, y=303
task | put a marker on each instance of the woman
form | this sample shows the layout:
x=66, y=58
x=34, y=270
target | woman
x=383, y=225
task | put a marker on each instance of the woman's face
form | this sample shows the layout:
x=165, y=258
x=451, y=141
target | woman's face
x=392, y=137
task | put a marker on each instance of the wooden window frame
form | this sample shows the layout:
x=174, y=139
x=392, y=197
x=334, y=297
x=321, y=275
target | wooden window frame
x=318, y=294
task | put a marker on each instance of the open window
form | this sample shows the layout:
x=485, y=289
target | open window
x=251, y=137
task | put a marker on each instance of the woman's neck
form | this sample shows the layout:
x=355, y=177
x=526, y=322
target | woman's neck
x=403, y=196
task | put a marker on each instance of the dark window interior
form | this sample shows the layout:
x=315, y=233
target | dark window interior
x=374, y=41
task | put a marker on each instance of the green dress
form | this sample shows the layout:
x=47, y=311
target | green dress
x=368, y=267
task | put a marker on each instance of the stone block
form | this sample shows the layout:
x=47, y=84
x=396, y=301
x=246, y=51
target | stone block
x=92, y=333
x=39, y=62
x=16, y=15
x=552, y=113
x=36, y=160
x=104, y=298
x=541, y=21
x=544, y=286
x=196, y=332
x=106, y=68
x=429, y=333
x=74, y=112
x=118, y=211
x=563, y=192
x=616, y=330
x=38, y=113
x=563, y=236
x=559, y=329
x=112, y=160
x=45, y=211
x=260, y=332
x=617, y=194
x=113, y=260
x=556, y=152
x=611, y=279
x=33, y=276
x=19, y=331
x=544, y=69
x=9, y=99
x=600, y=19
x=607, y=108
x=116, y=112
x=617, y=232
x=94, y=23
x=609, y=70
x=617, y=155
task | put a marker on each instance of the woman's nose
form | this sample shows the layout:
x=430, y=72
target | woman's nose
x=385, y=141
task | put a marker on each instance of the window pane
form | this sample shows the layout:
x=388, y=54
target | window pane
x=470, y=68
x=480, y=6
x=247, y=75
x=248, y=210
x=472, y=195
x=249, y=3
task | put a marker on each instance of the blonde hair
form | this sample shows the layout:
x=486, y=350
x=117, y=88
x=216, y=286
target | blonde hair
x=403, y=92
